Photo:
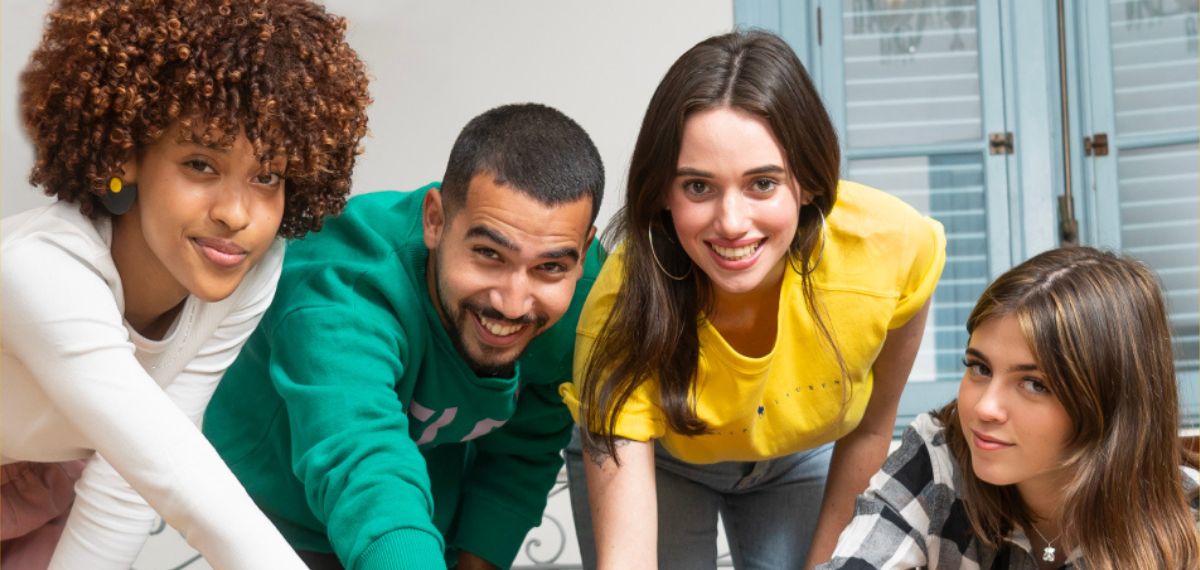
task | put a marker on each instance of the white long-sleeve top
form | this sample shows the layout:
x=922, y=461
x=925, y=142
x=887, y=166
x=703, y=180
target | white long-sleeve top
x=76, y=381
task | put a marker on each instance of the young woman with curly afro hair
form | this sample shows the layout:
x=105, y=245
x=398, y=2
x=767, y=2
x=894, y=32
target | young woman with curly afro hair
x=184, y=139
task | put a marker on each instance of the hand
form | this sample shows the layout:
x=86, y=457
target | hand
x=468, y=561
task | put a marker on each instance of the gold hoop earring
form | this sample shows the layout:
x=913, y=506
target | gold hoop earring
x=650, y=236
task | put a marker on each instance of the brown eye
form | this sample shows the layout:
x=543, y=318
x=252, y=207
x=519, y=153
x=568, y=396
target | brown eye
x=695, y=187
x=976, y=368
x=553, y=267
x=1034, y=385
x=486, y=252
x=199, y=166
x=765, y=185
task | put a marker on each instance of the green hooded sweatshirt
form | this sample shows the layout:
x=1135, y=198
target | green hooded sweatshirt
x=355, y=425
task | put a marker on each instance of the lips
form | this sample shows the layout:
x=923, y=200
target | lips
x=496, y=332
x=989, y=443
x=221, y=252
x=499, y=328
x=736, y=255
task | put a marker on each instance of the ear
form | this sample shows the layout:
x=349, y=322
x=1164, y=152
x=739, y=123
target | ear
x=806, y=198
x=587, y=245
x=433, y=218
x=129, y=171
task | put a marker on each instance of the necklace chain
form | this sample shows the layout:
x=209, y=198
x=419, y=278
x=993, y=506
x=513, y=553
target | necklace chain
x=1048, y=553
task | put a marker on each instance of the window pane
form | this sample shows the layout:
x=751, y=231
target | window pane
x=911, y=71
x=1158, y=198
x=1154, y=55
x=950, y=189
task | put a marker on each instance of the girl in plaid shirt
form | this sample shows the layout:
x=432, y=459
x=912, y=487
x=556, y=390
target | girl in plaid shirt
x=1062, y=449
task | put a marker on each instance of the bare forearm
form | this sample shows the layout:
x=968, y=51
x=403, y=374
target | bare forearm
x=858, y=455
x=623, y=505
x=856, y=458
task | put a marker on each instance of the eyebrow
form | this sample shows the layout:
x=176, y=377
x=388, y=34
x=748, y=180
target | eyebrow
x=484, y=232
x=568, y=252
x=767, y=169
x=212, y=147
x=478, y=231
x=687, y=171
x=1017, y=368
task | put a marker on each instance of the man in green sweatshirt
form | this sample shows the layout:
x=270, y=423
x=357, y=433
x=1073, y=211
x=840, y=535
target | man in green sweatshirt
x=397, y=405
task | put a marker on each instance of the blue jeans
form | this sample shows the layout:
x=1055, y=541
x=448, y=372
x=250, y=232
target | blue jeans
x=769, y=509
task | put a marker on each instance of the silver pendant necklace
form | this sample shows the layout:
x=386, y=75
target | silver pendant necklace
x=1048, y=553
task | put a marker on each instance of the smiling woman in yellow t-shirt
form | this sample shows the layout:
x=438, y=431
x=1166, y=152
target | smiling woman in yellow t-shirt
x=750, y=336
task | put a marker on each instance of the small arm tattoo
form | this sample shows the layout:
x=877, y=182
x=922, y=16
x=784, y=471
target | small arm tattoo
x=600, y=452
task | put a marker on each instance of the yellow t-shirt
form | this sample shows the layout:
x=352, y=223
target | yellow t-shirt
x=881, y=262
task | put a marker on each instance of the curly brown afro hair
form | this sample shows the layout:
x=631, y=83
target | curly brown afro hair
x=111, y=76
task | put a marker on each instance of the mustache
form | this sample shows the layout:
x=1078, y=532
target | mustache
x=529, y=319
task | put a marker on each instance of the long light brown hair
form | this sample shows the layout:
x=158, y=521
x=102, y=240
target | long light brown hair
x=1097, y=327
x=652, y=331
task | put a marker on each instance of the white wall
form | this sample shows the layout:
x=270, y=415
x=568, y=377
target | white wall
x=436, y=64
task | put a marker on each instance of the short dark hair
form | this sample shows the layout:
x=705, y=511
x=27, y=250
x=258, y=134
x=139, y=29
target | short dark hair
x=531, y=148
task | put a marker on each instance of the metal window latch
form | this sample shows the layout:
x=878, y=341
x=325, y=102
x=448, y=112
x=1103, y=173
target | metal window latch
x=1068, y=226
x=1000, y=143
x=1096, y=145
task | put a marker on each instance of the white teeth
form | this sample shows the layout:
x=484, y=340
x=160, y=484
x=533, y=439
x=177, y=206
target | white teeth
x=736, y=253
x=497, y=328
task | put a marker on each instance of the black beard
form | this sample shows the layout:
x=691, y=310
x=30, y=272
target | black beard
x=481, y=369
x=455, y=321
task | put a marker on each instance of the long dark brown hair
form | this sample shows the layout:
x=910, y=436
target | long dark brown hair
x=1097, y=327
x=652, y=331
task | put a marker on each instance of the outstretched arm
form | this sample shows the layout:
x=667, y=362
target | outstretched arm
x=68, y=333
x=504, y=494
x=892, y=524
x=624, y=505
x=859, y=454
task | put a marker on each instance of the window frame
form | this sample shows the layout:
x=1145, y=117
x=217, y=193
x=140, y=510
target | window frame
x=1020, y=93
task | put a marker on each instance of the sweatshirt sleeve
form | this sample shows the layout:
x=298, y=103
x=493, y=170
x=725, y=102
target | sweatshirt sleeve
x=505, y=492
x=337, y=368
x=69, y=333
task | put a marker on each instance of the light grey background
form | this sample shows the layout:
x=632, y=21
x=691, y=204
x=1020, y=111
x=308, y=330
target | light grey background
x=434, y=65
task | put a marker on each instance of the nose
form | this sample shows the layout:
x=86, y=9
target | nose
x=733, y=215
x=513, y=298
x=991, y=406
x=230, y=206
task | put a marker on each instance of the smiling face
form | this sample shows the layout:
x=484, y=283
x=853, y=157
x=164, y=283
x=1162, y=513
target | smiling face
x=503, y=268
x=204, y=216
x=1016, y=428
x=734, y=204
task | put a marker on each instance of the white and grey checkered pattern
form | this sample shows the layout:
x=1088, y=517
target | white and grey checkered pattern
x=911, y=515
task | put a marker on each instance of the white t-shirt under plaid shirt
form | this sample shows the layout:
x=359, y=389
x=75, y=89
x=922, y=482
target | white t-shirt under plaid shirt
x=911, y=515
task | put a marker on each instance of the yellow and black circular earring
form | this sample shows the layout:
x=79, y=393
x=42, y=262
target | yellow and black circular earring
x=119, y=197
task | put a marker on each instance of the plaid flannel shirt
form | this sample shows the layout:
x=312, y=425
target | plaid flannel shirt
x=911, y=515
